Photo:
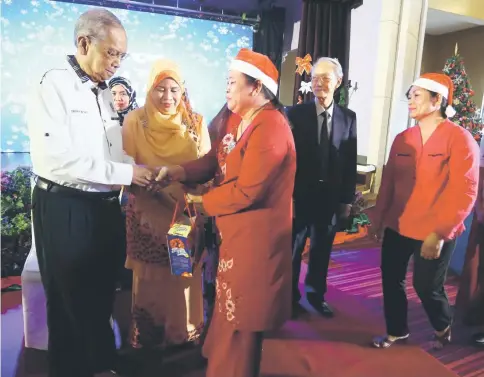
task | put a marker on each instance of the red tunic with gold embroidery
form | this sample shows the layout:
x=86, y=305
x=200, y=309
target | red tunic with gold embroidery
x=253, y=206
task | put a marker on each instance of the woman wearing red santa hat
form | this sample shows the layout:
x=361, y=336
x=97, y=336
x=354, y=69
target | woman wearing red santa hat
x=254, y=164
x=428, y=188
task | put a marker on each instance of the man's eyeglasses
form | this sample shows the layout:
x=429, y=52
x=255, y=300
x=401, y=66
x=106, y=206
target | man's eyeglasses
x=317, y=79
x=110, y=52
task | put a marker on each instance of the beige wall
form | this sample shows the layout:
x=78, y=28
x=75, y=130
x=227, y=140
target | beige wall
x=468, y=8
x=437, y=49
x=400, y=42
x=364, y=59
x=288, y=77
x=384, y=69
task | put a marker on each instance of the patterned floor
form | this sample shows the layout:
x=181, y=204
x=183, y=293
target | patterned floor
x=354, y=281
x=355, y=271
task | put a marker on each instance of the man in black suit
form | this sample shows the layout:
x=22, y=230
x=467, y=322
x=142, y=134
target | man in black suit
x=325, y=137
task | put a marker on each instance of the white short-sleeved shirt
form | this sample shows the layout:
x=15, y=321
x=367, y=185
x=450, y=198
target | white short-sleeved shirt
x=75, y=133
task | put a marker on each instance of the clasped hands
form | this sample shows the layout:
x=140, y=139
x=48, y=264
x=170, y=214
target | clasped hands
x=154, y=179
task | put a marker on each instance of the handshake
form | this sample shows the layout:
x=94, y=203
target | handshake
x=157, y=178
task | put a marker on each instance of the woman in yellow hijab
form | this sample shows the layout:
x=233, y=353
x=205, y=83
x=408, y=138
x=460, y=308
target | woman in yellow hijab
x=166, y=309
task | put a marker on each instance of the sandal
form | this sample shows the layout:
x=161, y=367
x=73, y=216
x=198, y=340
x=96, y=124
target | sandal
x=440, y=341
x=385, y=342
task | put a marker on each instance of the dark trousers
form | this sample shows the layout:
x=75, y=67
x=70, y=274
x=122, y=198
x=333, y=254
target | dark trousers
x=79, y=240
x=314, y=219
x=125, y=275
x=428, y=280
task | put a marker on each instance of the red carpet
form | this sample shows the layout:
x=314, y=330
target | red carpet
x=312, y=346
x=11, y=280
x=355, y=272
x=342, y=238
x=340, y=348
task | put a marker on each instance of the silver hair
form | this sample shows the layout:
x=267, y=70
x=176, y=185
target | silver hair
x=338, y=69
x=95, y=23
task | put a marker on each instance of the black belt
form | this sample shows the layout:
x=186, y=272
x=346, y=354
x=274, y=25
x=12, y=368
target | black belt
x=49, y=186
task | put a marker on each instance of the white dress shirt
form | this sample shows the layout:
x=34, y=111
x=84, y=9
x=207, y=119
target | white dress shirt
x=75, y=134
x=319, y=110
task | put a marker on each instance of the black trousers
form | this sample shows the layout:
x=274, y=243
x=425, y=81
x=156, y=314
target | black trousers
x=315, y=220
x=124, y=275
x=428, y=280
x=79, y=240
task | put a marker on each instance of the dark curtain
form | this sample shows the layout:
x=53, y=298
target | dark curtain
x=269, y=38
x=325, y=31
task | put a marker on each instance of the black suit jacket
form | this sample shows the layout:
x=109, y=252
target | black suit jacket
x=343, y=154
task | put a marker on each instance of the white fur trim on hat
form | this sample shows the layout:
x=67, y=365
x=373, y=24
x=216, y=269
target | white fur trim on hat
x=432, y=85
x=253, y=71
x=436, y=87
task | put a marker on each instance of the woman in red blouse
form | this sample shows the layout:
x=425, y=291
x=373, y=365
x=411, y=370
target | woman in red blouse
x=254, y=165
x=428, y=188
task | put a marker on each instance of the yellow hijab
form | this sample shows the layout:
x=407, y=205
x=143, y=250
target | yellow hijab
x=166, y=134
x=158, y=139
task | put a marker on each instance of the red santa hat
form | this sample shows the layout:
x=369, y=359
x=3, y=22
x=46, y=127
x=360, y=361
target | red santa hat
x=441, y=84
x=257, y=66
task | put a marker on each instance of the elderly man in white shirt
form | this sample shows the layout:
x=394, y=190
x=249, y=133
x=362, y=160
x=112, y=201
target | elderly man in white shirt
x=77, y=154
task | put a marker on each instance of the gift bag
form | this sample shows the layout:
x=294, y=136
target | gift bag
x=185, y=241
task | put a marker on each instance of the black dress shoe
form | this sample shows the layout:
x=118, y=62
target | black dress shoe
x=478, y=339
x=322, y=307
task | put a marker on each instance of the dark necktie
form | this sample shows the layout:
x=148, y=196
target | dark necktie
x=324, y=146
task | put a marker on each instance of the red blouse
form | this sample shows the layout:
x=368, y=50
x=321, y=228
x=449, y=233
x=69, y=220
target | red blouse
x=429, y=187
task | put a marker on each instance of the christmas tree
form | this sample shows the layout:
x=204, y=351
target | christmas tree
x=467, y=115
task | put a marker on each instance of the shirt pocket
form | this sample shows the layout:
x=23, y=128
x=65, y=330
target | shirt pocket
x=405, y=164
x=436, y=164
x=79, y=120
x=85, y=133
